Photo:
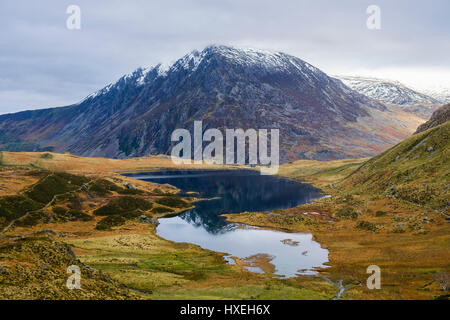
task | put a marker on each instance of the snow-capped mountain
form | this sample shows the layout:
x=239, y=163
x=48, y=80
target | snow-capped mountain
x=441, y=94
x=225, y=87
x=386, y=91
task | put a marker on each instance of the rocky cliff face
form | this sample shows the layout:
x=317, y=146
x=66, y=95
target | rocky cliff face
x=224, y=87
x=439, y=117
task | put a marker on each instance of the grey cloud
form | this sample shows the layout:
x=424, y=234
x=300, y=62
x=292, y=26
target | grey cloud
x=44, y=64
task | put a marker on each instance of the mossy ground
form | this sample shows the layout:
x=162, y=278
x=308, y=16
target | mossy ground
x=416, y=170
x=185, y=271
x=409, y=260
x=101, y=225
x=173, y=201
x=36, y=268
x=135, y=256
x=123, y=206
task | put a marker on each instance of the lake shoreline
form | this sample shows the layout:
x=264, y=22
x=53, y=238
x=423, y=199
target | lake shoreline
x=220, y=177
x=408, y=242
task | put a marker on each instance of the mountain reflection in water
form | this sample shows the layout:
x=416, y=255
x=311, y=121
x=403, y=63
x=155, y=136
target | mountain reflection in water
x=285, y=254
x=239, y=191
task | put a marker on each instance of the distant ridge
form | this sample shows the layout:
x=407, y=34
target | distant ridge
x=386, y=91
x=439, y=117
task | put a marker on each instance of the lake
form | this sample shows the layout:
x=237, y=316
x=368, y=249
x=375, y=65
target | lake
x=285, y=254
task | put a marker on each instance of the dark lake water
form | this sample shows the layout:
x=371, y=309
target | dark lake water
x=239, y=191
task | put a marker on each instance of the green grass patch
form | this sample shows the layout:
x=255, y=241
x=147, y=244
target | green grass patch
x=110, y=222
x=416, y=170
x=366, y=225
x=54, y=184
x=76, y=215
x=346, y=213
x=59, y=210
x=13, y=207
x=380, y=213
x=47, y=156
x=31, y=219
x=130, y=191
x=161, y=210
x=103, y=187
x=123, y=205
x=173, y=201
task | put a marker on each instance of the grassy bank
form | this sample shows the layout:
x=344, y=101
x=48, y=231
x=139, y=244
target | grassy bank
x=111, y=230
x=390, y=211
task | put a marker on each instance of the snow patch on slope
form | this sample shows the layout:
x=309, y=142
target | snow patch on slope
x=392, y=92
x=441, y=94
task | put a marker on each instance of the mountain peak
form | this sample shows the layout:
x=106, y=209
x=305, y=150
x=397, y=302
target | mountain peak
x=225, y=87
x=264, y=61
x=236, y=51
x=241, y=56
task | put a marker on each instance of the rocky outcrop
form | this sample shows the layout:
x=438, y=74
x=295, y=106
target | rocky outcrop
x=439, y=117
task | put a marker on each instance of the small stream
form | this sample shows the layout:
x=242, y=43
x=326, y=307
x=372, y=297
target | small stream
x=284, y=254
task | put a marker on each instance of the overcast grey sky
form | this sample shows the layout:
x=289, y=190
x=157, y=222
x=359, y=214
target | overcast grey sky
x=44, y=64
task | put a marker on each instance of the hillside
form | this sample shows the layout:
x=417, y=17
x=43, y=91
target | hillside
x=100, y=223
x=318, y=116
x=26, y=262
x=358, y=227
x=392, y=211
x=416, y=170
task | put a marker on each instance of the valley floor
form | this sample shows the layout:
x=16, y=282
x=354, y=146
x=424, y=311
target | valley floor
x=130, y=261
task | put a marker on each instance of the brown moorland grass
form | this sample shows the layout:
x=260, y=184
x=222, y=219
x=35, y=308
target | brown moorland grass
x=408, y=241
x=91, y=165
x=133, y=254
x=370, y=220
